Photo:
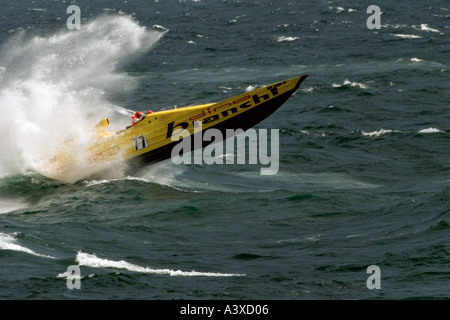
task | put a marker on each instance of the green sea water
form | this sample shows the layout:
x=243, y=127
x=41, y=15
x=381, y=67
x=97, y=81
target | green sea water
x=364, y=170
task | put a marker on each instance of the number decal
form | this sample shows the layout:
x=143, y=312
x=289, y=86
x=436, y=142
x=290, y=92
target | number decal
x=139, y=143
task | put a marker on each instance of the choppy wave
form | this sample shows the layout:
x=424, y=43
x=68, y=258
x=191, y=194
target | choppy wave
x=10, y=242
x=348, y=83
x=287, y=39
x=430, y=130
x=406, y=36
x=425, y=27
x=91, y=260
x=379, y=133
x=382, y=132
x=7, y=205
x=363, y=173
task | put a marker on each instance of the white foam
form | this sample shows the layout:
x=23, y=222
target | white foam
x=381, y=132
x=54, y=86
x=9, y=242
x=425, y=27
x=91, y=260
x=337, y=9
x=90, y=183
x=406, y=36
x=309, y=89
x=69, y=275
x=250, y=88
x=287, y=39
x=378, y=133
x=160, y=28
x=430, y=130
x=351, y=84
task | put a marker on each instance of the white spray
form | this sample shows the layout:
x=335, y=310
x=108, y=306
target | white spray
x=56, y=85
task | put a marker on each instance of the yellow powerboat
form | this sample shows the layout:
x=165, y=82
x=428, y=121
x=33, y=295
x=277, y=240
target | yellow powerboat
x=152, y=138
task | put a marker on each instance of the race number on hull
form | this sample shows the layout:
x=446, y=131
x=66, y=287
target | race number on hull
x=139, y=143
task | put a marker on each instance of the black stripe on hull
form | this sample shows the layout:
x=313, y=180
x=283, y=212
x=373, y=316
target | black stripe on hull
x=243, y=121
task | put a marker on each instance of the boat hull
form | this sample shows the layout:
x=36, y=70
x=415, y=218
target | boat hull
x=154, y=138
x=244, y=121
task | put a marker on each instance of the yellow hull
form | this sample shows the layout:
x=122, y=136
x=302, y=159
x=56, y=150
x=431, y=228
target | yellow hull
x=151, y=139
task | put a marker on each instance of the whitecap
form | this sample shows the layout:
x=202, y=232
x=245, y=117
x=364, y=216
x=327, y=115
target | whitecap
x=337, y=9
x=425, y=27
x=90, y=183
x=9, y=242
x=38, y=9
x=91, y=260
x=250, y=88
x=378, y=133
x=69, y=275
x=160, y=28
x=287, y=39
x=351, y=84
x=356, y=84
x=407, y=36
x=430, y=130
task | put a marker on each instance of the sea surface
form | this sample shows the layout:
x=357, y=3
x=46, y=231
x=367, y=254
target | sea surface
x=359, y=208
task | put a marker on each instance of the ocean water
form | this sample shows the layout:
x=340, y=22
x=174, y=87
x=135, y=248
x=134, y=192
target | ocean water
x=364, y=167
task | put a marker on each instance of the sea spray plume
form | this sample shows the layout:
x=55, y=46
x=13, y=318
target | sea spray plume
x=56, y=85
